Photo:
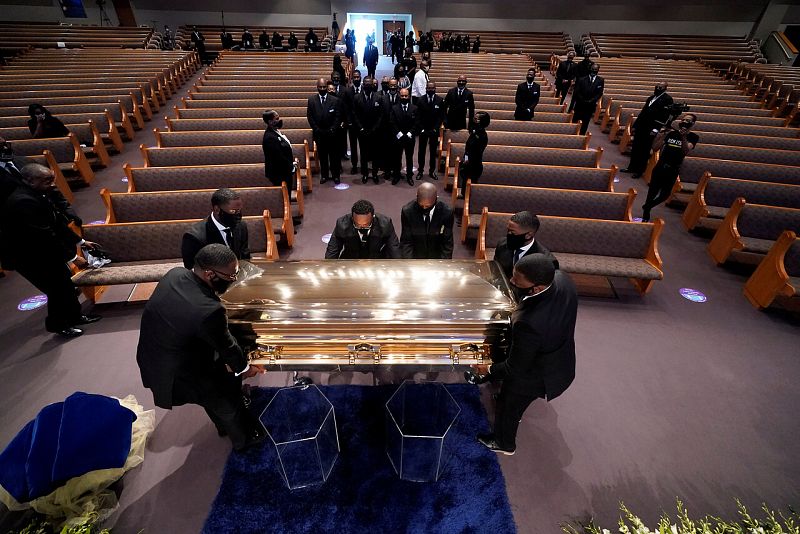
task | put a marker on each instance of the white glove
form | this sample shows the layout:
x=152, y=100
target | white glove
x=399, y=135
x=409, y=135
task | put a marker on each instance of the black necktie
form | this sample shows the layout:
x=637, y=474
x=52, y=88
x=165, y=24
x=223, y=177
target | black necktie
x=517, y=254
x=229, y=237
x=405, y=108
x=430, y=100
x=427, y=219
x=322, y=100
x=460, y=93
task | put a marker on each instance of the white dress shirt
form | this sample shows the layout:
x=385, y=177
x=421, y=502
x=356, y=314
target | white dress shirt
x=420, y=83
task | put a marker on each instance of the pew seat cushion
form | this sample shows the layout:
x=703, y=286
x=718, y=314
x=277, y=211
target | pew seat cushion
x=717, y=212
x=794, y=281
x=127, y=273
x=607, y=266
x=759, y=246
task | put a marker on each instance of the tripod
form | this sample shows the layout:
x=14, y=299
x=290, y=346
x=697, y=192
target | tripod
x=103, y=15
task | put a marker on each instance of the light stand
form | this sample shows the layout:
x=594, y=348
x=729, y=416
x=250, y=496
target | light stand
x=103, y=15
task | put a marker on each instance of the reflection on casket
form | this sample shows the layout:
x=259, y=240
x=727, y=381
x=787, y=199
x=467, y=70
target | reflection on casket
x=352, y=314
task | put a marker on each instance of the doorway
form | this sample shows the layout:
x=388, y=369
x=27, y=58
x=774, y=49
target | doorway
x=376, y=25
x=389, y=27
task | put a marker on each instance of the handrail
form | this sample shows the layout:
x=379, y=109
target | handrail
x=786, y=40
x=781, y=44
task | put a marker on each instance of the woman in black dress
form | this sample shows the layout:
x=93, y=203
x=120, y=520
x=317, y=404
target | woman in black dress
x=43, y=125
x=472, y=166
x=338, y=67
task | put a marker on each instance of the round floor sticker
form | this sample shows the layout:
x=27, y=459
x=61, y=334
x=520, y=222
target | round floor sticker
x=637, y=219
x=616, y=179
x=98, y=221
x=31, y=303
x=326, y=238
x=341, y=187
x=125, y=180
x=693, y=294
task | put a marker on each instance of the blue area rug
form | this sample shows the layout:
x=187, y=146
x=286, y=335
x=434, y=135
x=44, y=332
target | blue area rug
x=363, y=494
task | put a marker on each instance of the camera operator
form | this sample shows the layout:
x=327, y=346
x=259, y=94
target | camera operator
x=653, y=116
x=674, y=144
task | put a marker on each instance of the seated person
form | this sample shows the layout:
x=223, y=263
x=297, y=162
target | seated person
x=363, y=234
x=312, y=41
x=520, y=242
x=224, y=226
x=43, y=125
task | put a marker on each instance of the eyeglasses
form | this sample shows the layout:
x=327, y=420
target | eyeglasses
x=226, y=276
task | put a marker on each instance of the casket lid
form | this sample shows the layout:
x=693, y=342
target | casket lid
x=365, y=291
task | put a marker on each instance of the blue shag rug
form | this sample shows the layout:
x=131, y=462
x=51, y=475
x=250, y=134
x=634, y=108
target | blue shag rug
x=363, y=494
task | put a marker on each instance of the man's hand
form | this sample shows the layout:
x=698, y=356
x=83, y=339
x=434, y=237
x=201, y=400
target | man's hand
x=409, y=135
x=91, y=245
x=253, y=371
x=481, y=369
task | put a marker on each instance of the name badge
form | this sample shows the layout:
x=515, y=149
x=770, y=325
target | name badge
x=441, y=230
x=466, y=101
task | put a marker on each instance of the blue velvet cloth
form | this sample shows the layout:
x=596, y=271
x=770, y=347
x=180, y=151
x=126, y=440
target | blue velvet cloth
x=363, y=493
x=84, y=433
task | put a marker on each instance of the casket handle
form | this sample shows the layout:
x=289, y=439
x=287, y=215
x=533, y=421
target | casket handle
x=261, y=352
x=354, y=351
x=467, y=349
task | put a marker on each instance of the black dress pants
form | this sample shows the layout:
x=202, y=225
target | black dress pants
x=368, y=153
x=54, y=280
x=431, y=141
x=508, y=413
x=352, y=132
x=404, y=146
x=640, y=150
x=562, y=88
x=330, y=162
x=583, y=113
x=661, y=183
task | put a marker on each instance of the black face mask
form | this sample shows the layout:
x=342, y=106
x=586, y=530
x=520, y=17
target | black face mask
x=220, y=285
x=278, y=124
x=462, y=85
x=521, y=292
x=431, y=93
x=229, y=219
x=685, y=124
x=405, y=101
x=659, y=91
x=322, y=92
x=515, y=241
x=425, y=211
x=530, y=78
x=6, y=152
x=357, y=82
x=393, y=90
x=336, y=81
x=385, y=86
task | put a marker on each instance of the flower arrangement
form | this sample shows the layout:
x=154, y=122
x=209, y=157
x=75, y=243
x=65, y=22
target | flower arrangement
x=772, y=523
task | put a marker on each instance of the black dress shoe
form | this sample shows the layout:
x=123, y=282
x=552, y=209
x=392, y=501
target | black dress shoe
x=337, y=181
x=88, y=319
x=485, y=437
x=375, y=179
x=256, y=436
x=410, y=180
x=323, y=180
x=432, y=174
x=363, y=179
x=395, y=179
x=626, y=170
x=419, y=175
x=354, y=170
x=346, y=157
x=70, y=332
x=492, y=445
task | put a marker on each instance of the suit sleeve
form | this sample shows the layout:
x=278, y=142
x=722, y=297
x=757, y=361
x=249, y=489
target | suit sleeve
x=214, y=331
x=525, y=342
x=445, y=106
x=392, y=243
x=417, y=127
x=395, y=127
x=471, y=112
x=447, y=236
x=536, y=97
x=190, y=246
x=335, y=246
x=406, y=238
x=518, y=98
x=337, y=116
x=29, y=214
x=245, y=250
x=312, y=121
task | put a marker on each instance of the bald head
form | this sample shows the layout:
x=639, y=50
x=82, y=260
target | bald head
x=427, y=195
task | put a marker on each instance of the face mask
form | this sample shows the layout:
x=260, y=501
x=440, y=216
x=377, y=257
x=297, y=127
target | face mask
x=520, y=292
x=278, y=124
x=393, y=90
x=515, y=241
x=686, y=124
x=6, y=152
x=357, y=82
x=40, y=116
x=431, y=93
x=659, y=91
x=530, y=78
x=229, y=219
x=594, y=72
x=322, y=92
x=462, y=84
x=405, y=100
x=425, y=211
x=335, y=81
x=220, y=285
x=385, y=85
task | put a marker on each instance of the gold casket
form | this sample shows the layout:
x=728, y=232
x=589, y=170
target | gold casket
x=359, y=314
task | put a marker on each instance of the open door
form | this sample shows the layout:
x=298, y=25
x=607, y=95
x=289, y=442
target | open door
x=389, y=27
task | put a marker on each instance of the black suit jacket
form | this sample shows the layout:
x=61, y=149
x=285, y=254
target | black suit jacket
x=278, y=158
x=541, y=358
x=368, y=112
x=371, y=55
x=345, y=242
x=35, y=231
x=505, y=257
x=184, y=341
x=586, y=92
x=431, y=116
x=324, y=119
x=526, y=99
x=204, y=233
x=653, y=116
x=565, y=72
x=432, y=243
x=457, y=109
x=404, y=122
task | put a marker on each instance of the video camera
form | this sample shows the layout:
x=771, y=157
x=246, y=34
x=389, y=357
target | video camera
x=674, y=111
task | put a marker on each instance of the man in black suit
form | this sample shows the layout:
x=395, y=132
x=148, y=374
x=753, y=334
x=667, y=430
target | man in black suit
x=565, y=73
x=541, y=356
x=199, y=43
x=386, y=155
x=323, y=114
x=247, y=39
x=527, y=97
x=350, y=94
x=226, y=39
x=10, y=166
x=427, y=227
x=363, y=234
x=224, y=226
x=263, y=40
x=649, y=121
x=371, y=57
x=431, y=117
x=459, y=106
x=187, y=355
x=340, y=92
x=396, y=42
x=312, y=41
x=588, y=91
x=39, y=244
x=367, y=118
x=404, y=119
x=279, y=164
x=585, y=66
x=520, y=241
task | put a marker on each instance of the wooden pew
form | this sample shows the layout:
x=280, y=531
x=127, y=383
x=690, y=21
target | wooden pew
x=778, y=274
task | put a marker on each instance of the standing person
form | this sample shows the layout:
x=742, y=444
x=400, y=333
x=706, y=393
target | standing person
x=335, y=30
x=187, y=355
x=43, y=125
x=541, y=357
x=323, y=117
x=410, y=41
x=565, y=74
x=293, y=42
x=350, y=44
x=459, y=106
x=674, y=145
x=367, y=118
x=410, y=63
x=351, y=94
x=167, y=39
x=371, y=57
x=38, y=244
x=223, y=226
x=363, y=234
x=340, y=92
x=649, y=121
x=520, y=241
x=397, y=46
x=404, y=120
x=527, y=97
x=426, y=227
x=431, y=117
x=263, y=40
x=247, y=39
x=199, y=43
x=584, y=68
x=403, y=81
x=472, y=166
x=279, y=164
x=588, y=91
x=338, y=68
x=386, y=154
